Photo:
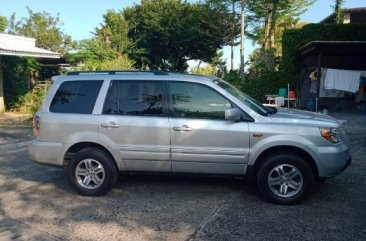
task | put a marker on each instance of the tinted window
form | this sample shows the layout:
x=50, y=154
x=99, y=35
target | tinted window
x=134, y=98
x=76, y=97
x=197, y=101
x=246, y=99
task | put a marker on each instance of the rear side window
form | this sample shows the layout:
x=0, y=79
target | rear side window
x=76, y=97
x=134, y=98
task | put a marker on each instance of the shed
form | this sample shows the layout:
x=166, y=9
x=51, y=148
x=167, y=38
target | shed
x=345, y=55
x=20, y=46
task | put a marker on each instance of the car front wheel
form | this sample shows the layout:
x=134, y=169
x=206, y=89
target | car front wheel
x=284, y=178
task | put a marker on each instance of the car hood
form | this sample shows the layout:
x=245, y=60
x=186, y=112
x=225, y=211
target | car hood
x=303, y=117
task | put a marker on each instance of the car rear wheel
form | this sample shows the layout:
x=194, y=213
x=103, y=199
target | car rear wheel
x=284, y=178
x=92, y=172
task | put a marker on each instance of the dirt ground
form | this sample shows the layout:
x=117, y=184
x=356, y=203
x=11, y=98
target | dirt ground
x=38, y=203
x=13, y=118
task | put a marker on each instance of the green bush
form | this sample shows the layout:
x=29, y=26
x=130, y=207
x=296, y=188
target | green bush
x=18, y=72
x=31, y=101
x=205, y=70
x=258, y=86
x=294, y=39
x=122, y=62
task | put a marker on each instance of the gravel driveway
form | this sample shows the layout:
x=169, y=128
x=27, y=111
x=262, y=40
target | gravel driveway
x=37, y=203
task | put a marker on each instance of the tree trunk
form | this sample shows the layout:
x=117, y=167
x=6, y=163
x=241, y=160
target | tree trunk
x=267, y=26
x=273, y=24
x=232, y=37
x=242, y=23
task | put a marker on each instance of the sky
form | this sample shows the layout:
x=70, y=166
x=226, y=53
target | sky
x=80, y=17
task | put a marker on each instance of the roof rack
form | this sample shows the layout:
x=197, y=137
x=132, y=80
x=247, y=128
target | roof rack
x=112, y=72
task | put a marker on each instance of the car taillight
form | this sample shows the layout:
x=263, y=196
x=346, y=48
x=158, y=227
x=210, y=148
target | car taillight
x=36, y=125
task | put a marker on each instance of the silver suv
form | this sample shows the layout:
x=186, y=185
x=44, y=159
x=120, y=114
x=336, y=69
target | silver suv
x=97, y=124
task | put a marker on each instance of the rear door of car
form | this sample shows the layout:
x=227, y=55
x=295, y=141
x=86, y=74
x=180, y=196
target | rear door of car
x=202, y=141
x=134, y=121
x=70, y=112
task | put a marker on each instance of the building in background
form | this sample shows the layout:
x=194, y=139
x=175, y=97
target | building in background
x=350, y=15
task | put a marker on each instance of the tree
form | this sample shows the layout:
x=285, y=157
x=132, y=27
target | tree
x=107, y=50
x=233, y=23
x=165, y=34
x=338, y=11
x=113, y=33
x=3, y=23
x=273, y=12
x=242, y=27
x=45, y=28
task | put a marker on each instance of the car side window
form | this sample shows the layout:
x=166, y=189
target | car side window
x=192, y=100
x=76, y=97
x=134, y=98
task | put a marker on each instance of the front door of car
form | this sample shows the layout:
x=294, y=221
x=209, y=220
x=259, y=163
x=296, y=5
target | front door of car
x=135, y=125
x=202, y=140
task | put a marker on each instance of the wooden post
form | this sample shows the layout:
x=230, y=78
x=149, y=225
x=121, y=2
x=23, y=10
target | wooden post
x=2, y=102
x=319, y=70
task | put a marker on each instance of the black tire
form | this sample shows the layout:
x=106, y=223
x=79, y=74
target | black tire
x=109, y=172
x=293, y=165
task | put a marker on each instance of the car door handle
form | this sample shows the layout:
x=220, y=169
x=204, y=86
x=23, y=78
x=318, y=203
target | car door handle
x=182, y=128
x=109, y=125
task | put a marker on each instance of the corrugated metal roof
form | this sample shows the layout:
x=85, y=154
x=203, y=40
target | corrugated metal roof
x=23, y=46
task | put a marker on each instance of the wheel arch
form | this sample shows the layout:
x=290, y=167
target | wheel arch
x=282, y=149
x=82, y=145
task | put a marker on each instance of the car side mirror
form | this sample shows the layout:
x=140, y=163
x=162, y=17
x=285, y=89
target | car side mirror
x=233, y=114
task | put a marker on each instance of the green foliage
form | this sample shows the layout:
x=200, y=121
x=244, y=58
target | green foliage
x=31, y=101
x=257, y=86
x=91, y=50
x=122, y=62
x=3, y=23
x=338, y=18
x=277, y=15
x=205, y=70
x=16, y=73
x=107, y=50
x=113, y=33
x=263, y=61
x=165, y=34
x=45, y=28
x=19, y=76
x=294, y=39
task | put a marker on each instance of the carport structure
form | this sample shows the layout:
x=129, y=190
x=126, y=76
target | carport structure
x=345, y=55
x=12, y=45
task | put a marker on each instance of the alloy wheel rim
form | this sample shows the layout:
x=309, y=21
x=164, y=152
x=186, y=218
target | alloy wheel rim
x=90, y=173
x=285, y=180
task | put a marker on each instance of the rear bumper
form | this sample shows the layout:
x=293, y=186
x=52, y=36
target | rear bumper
x=48, y=153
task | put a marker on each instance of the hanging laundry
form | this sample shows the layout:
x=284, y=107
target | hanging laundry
x=332, y=93
x=342, y=80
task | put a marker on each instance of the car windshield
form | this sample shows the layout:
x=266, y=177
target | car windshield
x=246, y=99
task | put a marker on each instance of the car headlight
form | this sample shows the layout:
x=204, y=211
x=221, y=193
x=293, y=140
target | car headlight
x=331, y=134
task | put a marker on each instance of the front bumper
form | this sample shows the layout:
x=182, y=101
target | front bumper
x=48, y=153
x=332, y=160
